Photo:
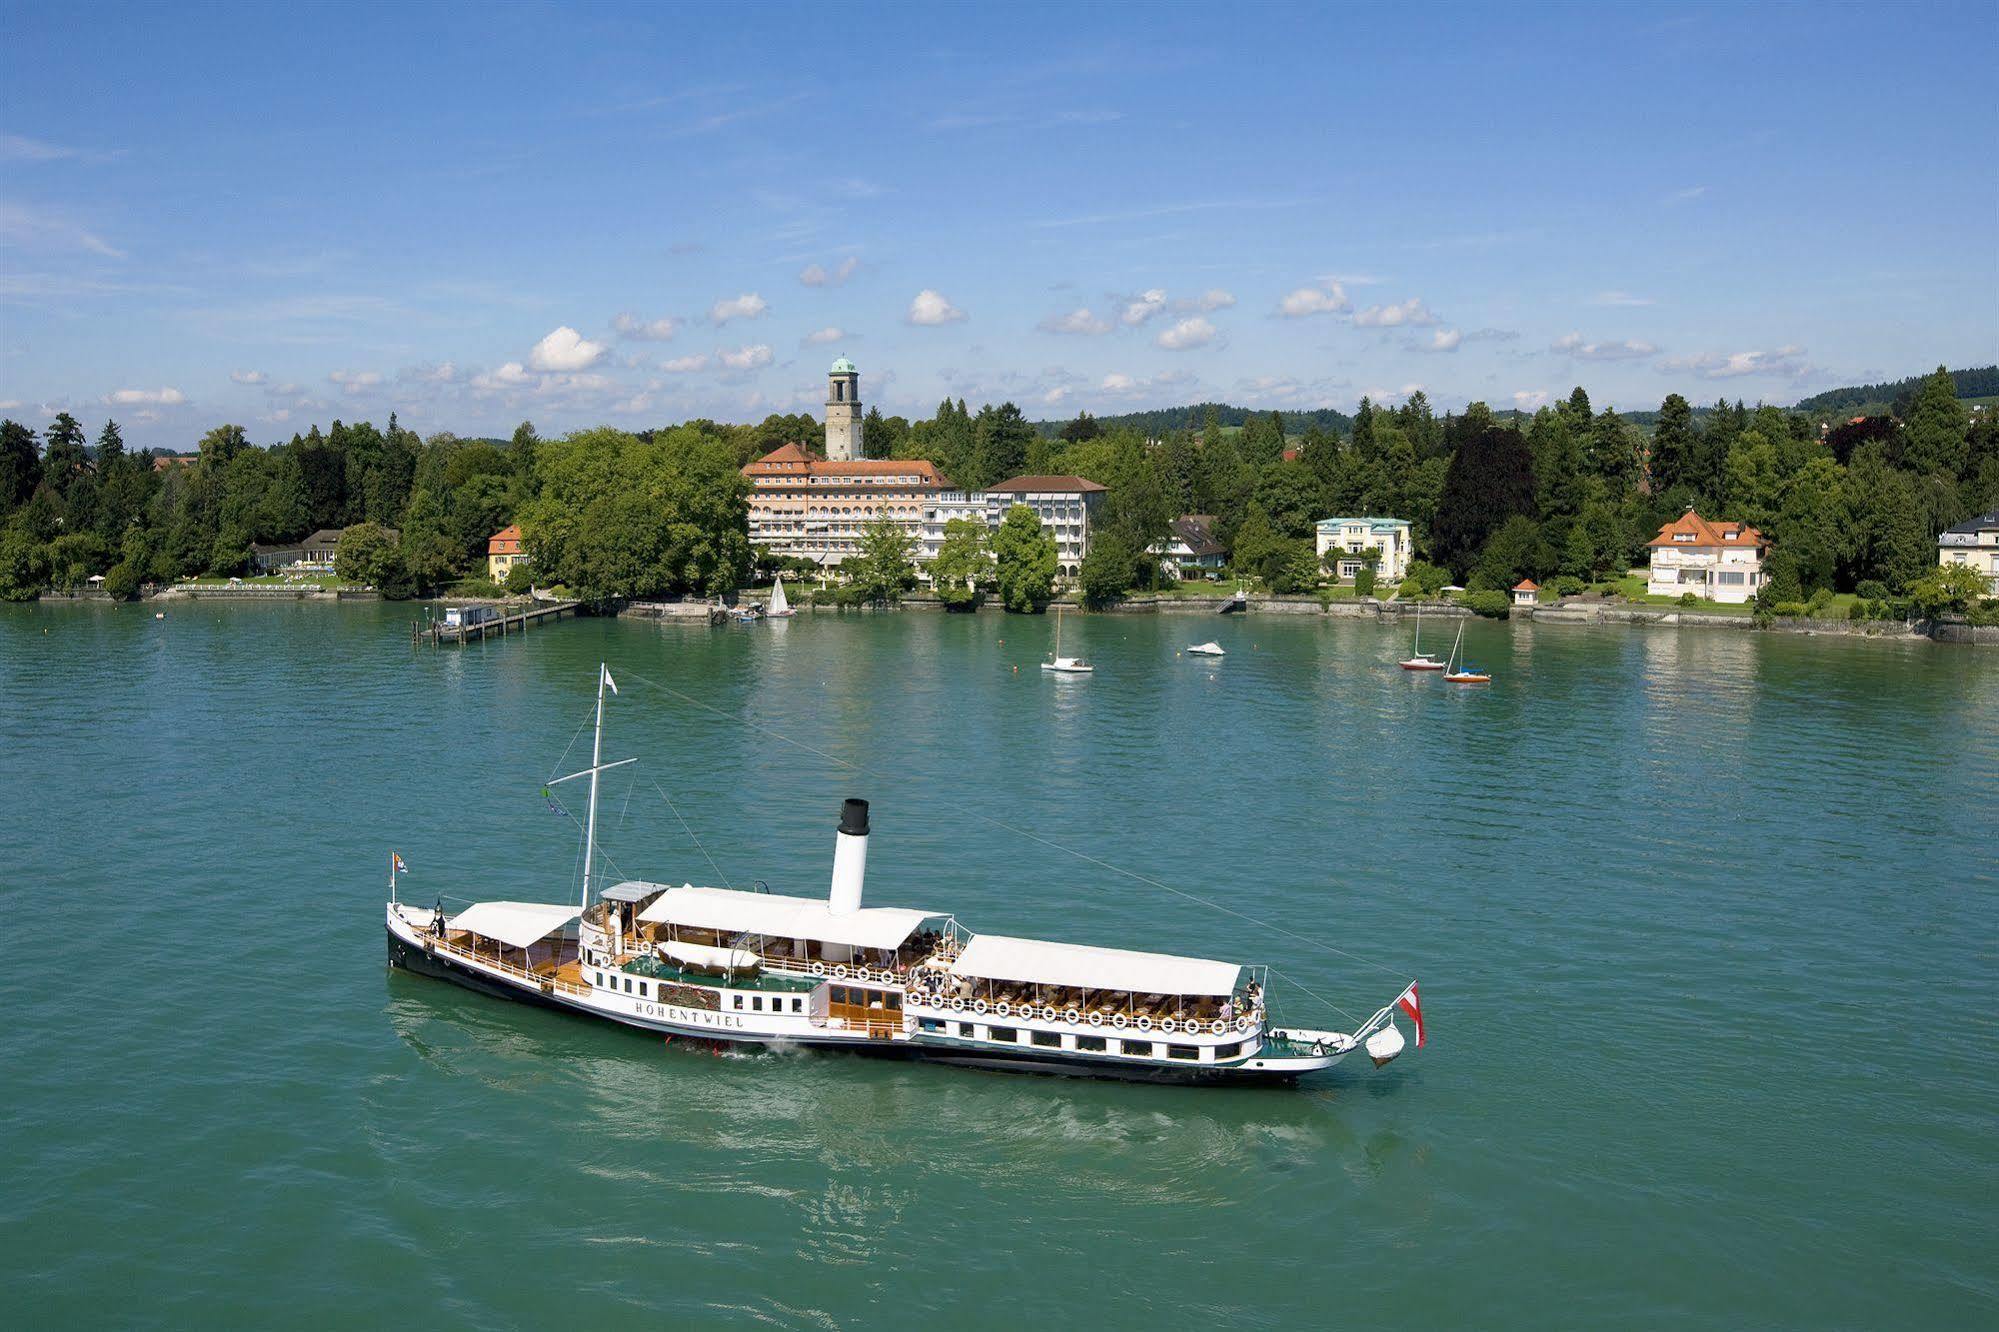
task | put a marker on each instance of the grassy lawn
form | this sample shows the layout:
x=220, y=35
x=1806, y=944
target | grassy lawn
x=271, y=580
x=1632, y=589
x=1191, y=590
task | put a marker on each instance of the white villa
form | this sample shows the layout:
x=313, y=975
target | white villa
x=1718, y=561
x=1975, y=543
x=1066, y=505
x=1355, y=535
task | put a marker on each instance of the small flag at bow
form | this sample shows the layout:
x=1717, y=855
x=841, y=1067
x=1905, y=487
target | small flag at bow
x=400, y=867
x=609, y=681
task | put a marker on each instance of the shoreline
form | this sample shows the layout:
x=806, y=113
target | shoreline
x=1593, y=614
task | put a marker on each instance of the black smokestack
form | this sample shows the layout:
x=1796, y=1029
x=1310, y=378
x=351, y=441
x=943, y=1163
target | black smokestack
x=854, y=818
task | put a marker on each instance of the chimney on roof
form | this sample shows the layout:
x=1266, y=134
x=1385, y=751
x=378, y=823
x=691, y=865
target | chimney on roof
x=850, y=859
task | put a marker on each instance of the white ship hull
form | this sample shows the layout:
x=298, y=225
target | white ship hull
x=633, y=999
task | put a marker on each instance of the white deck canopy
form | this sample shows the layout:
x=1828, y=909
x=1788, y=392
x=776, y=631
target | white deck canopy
x=1038, y=962
x=515, y=924
x=733, y=911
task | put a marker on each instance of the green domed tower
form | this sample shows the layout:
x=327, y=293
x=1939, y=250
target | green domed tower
x=843, y=411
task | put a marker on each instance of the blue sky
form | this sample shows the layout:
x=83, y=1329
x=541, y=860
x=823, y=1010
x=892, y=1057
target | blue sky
x=637, y=214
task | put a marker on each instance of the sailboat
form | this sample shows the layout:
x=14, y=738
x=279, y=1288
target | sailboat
x=1422, y=661
x=1060, y=664
x=780, y=609
x=1467, y=673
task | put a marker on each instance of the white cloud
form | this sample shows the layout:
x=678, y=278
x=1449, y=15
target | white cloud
x=285, y=390
x=1784, y=362
x=635, y=329
x=1409, y=312
x=1687, y=195
x=247, y=376
x=1386, y=395
x=814, y=275
x=443, y=372
x=1214, y=298
x=1118, y=382
x=355, y=381
x=685, y=365
x=1443, y=340
x=1529, y=399
x=1120, y=385
x=10, y=404
x=32, y=228
x=746, y=358
x=1082, y=320
x=163, y=397
x=632, y=406
x=565, y=350
x=1142, y=307
x=819, y=337
x=1619, y=298
x=746, y=306
x=512, y=375
x=1187, y=334
x=1328, y=298
x=930, y=308
x=1572, y=344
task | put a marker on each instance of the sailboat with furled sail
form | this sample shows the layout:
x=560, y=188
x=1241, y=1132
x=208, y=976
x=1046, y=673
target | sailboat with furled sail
x=826, y=972
x=1421, y=660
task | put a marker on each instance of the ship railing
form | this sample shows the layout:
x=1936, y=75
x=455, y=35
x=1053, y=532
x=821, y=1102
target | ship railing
x=546, y=981
x=1241, y=1021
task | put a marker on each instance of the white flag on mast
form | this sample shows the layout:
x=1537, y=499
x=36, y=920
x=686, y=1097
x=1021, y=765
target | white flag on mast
x=609, y=681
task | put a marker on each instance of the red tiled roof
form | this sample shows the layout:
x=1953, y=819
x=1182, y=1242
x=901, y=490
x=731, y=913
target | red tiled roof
x=791, y=460
x=506, y=541
x=1705, y=533
x=1526, y=585
x=1046, y=485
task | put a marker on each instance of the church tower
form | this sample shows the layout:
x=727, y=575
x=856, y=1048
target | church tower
x=843, y=412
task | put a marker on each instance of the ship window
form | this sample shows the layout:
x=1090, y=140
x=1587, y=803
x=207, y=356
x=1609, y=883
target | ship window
x=628, y=985
x=839, y=995
x=739, y=1000
x=1228, y=1051
x=642, y=989
x=1137, y=1047
x=798, y=1005
x=1052, y=1038
x=1089, y=1042
x=756, y=1005
x=1007, y=1034
x=1183, y=1052
x=930, y=1024
x=895, y=1002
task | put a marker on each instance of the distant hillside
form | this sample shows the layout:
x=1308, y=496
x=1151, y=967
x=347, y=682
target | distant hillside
x=1979, y=383
x=1165, y=420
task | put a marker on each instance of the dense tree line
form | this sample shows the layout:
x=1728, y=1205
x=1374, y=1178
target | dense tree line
x=1570, y=491
x=1896, y=395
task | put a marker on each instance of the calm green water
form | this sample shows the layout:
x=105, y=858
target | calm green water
x=1704, y=923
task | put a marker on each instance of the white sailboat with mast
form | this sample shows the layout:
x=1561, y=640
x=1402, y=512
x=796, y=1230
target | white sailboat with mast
x=780, y=607
x=1060, y=664
x=1421, y=660
x=760, y=968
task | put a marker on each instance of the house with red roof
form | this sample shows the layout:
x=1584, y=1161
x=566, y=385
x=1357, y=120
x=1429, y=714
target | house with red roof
x=1526, y=592
x=1716, y=561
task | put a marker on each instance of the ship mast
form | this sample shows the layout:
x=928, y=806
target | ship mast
x=597, y=767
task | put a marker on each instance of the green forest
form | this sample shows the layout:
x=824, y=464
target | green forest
x=1569, y=492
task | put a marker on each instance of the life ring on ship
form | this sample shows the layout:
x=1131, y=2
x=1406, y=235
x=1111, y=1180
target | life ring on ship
x=1242, y=1024
x=978, y=1005
x=1120, y=1021
x=1071, y=1016
x=1218, y=1027
x=957, y=1003
x=1144, y=1023
x=818, y=968
x=1170, y=1025
x=1096, y=1019
x=1003, y=1008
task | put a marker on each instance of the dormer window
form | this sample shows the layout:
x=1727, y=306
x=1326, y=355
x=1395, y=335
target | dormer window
x=1683, y=536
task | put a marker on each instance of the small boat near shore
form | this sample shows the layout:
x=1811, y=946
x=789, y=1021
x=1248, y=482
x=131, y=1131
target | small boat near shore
x=826, y=973
x=780, y=605
x=1208, y=649
x=1467, y=673
x=1060, y=665
x=1419, y=660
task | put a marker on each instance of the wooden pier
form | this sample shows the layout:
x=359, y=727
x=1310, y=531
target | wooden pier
x=439, y=633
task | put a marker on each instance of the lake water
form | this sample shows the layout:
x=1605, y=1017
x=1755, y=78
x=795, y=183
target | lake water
x=1704, y=922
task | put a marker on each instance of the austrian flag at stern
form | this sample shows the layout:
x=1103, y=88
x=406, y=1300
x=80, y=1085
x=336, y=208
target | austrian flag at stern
x=1410, y=1004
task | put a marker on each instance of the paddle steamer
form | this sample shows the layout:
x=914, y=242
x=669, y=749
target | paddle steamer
x=760, y=968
